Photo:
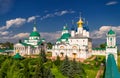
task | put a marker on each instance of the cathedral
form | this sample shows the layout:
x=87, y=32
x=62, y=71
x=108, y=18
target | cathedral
x=32, y=45
x=77, y=43
x=74, y=44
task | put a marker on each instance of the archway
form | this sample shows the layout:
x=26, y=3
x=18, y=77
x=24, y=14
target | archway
x=74, y=55
x=62, y=54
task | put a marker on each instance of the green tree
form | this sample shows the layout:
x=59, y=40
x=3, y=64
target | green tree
x=65, y=66
x=49, y=45
x=43, y=56
x=103, y=45
x=57, y=61
x=5, y=67
x=41, y=71
x=76, y=71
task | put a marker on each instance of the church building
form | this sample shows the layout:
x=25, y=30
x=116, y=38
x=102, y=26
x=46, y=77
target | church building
x=32, y=45
x=75, y=44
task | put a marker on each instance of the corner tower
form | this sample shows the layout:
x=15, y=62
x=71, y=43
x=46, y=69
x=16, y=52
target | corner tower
x=111, y=47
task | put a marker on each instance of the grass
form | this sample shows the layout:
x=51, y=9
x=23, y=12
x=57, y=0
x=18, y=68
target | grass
x=91, y=73
x=57, y=73
x=118, y=62
x=92, y=68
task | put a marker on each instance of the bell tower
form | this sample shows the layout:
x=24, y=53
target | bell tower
x=111, y=47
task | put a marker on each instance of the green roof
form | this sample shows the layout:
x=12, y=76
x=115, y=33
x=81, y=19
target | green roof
x=17, y=56
x=65, y=36
x=99, y=49
x=111, y=68
x=40, y=42
x=1, y=50
x=58, y=39
x=111, y=32
x=34, y=33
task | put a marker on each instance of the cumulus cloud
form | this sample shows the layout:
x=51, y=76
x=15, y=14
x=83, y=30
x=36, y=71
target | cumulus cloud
x=111, y=3
x=13, y=22
x=51, y=36
x=101, y=33
x=32, y=18
x=57, y=13
x=20, y=36
x=4, y=33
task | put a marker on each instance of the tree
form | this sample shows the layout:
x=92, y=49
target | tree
x=49, y=45
x=5, y=67
x=64, y=68
x=43, y=56
x=15, y=70
x=41, y=71
x=75, y=70
x=57, y=61
x=103, y=45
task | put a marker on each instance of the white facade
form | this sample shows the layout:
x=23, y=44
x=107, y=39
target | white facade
x=30, y=46
x=76, y=44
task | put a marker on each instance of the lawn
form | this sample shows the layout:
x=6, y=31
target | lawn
x=91, y=73
x=118, y=62
x=93, y=66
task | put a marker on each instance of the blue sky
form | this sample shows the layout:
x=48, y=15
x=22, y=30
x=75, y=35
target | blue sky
x=17, y=16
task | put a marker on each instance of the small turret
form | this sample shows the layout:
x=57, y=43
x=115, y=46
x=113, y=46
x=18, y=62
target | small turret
x=72, y=30
x=65, y=29
x=34, y=28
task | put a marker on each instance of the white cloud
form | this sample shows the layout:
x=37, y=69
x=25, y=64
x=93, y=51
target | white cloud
x=58, y=13
x=111, y=3
x=51, y=36
x=32, y=18
x=20, y=36
x=14, y=22
x=4, y=33
x=101, y=33
x=47, y=16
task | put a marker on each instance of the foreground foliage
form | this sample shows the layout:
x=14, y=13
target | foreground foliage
x=41, y=67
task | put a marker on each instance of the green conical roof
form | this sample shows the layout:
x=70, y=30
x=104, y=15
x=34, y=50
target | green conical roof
x=35, y=33
x=111, y=68
x=17, y=56
x=65, y=36
x=111, y=32
x=58, y=39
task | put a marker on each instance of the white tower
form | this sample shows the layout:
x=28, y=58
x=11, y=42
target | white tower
x=65, y=30
x=72, y=31
x=111, y=47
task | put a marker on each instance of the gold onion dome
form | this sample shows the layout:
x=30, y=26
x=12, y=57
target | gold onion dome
x=80, y=23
